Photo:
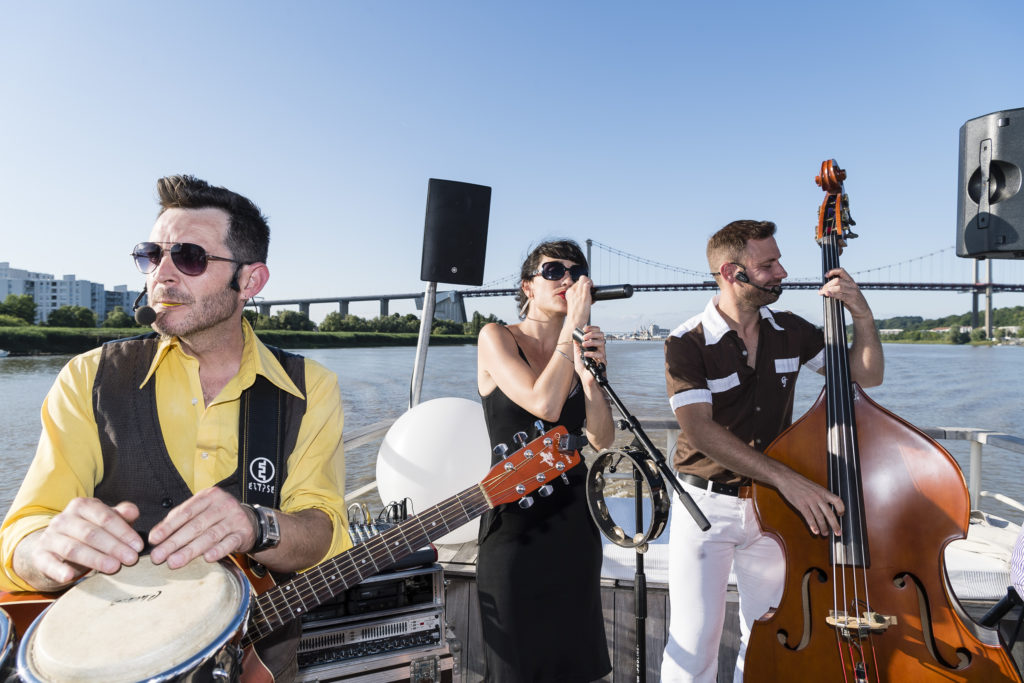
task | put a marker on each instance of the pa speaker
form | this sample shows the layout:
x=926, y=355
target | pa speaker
x=455, y=233
x=990, y=206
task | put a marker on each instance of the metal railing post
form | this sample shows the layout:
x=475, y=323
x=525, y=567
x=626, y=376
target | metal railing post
x=974, y=481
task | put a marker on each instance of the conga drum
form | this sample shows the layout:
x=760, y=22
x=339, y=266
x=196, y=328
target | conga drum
x=145, y=623
x=6, y=646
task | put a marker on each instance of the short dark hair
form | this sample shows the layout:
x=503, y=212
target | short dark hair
x=248, y=235
x=560, y=249
x=729, y=243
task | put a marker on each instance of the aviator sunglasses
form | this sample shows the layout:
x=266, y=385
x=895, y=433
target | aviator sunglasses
x=554, y=270
x=190, y=259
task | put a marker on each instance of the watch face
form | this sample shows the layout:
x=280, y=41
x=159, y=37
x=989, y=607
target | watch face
x=272, y=533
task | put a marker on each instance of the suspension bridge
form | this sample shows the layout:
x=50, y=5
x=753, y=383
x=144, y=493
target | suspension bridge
x=940, y=270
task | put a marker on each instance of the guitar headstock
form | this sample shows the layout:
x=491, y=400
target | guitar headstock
x=536, y=464
x=834, y=218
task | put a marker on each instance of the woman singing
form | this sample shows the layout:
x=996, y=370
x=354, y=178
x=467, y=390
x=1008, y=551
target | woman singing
x=539, y=568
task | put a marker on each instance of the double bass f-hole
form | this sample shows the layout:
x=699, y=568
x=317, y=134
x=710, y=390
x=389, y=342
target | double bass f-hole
x=872, y=604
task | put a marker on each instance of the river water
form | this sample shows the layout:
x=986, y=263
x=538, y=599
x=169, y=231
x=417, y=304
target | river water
x=927, y=385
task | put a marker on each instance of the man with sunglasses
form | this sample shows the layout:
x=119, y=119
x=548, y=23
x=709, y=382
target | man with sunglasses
x=141, y=437
x=731, y=372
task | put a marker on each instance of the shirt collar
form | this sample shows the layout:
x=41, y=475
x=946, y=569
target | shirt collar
x=256, y=359
x=715, y=326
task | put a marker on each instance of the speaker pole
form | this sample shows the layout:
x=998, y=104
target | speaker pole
x=974, y=294
x=422, y=344
x=988, y=299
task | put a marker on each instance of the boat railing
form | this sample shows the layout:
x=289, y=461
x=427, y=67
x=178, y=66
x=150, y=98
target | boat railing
x=978, y=439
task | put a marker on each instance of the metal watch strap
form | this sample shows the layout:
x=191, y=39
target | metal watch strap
x=267, y=532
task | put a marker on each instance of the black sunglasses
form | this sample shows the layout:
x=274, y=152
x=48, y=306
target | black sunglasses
x=190, y=259
x=554, y=270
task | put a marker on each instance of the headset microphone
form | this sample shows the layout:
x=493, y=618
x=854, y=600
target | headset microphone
x=745, y=279
x=144, y=315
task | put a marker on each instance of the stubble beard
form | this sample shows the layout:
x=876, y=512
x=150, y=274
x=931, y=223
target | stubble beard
x=754, y=298
x=204, y=314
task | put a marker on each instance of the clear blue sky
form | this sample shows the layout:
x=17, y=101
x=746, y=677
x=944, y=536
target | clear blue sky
x=644, y=126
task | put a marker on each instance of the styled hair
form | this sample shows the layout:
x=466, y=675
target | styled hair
x=730, y=243
x=560, y=249
x=248, y=235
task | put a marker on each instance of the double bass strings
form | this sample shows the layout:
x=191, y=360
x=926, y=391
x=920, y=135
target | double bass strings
x=848, y=550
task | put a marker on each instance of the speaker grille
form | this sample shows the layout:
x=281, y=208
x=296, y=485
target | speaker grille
x=455, y=232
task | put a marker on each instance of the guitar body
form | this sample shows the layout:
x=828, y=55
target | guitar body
x=24, y=607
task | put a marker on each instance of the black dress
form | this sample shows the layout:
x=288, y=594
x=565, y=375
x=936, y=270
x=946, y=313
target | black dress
x=539, y=569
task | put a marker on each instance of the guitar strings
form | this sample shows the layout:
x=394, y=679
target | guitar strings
x=274, y=607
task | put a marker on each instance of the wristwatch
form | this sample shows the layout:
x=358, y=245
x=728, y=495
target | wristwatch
x=268, y=533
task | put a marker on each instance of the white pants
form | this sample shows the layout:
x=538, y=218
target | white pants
x=699, y=563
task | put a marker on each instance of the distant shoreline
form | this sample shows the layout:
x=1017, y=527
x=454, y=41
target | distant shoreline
x=38, y=341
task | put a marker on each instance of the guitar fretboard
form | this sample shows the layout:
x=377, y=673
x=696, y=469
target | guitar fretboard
x=282, y=604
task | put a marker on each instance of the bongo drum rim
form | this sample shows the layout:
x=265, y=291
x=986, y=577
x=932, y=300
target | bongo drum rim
x=235, y=627
x=6, y=637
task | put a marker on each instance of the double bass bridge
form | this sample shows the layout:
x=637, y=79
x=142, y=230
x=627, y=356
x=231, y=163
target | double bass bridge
x=853, y=627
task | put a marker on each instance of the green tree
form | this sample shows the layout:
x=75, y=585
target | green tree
x=118, y=318
x=265, y=322
x=11, y=321
x=477, y=322
x=955, y=336
x=294, y=320
x=335, y=322
x=20, y=306
x=445, y=327
x=72, y=316
x=252, y=315
x=978, y=334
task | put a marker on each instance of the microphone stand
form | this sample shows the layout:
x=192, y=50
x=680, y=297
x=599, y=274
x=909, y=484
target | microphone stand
x=630, y=422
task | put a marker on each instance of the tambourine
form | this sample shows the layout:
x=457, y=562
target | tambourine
x=652, y=487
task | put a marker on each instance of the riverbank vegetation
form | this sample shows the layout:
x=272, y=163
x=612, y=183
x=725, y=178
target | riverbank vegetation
x=1007, y=326
x=73, y=329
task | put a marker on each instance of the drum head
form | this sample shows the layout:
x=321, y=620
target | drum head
x=143, y=621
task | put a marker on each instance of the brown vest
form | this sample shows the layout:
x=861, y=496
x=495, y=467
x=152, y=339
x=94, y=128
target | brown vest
x=138, y=468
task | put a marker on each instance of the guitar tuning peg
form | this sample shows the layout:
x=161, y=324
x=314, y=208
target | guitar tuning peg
x=545, y=490
x=500, y=450
x=526, y=502
x=539, y=426
x=565, y=479
x=520, y=438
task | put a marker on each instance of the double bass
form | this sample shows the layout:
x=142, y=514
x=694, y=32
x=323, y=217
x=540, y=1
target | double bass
x=874, y=603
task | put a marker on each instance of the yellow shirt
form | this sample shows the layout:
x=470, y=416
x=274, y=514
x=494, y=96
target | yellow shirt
x=202, y=440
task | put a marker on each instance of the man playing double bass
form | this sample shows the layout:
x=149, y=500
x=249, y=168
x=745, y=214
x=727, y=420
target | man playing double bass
x=141, y=439
x=731, y=373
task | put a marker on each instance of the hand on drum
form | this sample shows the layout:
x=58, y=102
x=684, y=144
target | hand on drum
x=86, y=535
x=211, y=523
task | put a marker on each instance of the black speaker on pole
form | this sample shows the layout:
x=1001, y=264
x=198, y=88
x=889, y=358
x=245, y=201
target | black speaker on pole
x=990, y=205
x=455, y=232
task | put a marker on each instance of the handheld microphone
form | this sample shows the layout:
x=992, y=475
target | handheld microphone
x=611, y=292
x=591, y=364
x=745, y=279
x=144, y=315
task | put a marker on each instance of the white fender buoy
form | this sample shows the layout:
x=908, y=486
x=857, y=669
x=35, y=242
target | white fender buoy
x=433, y=451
